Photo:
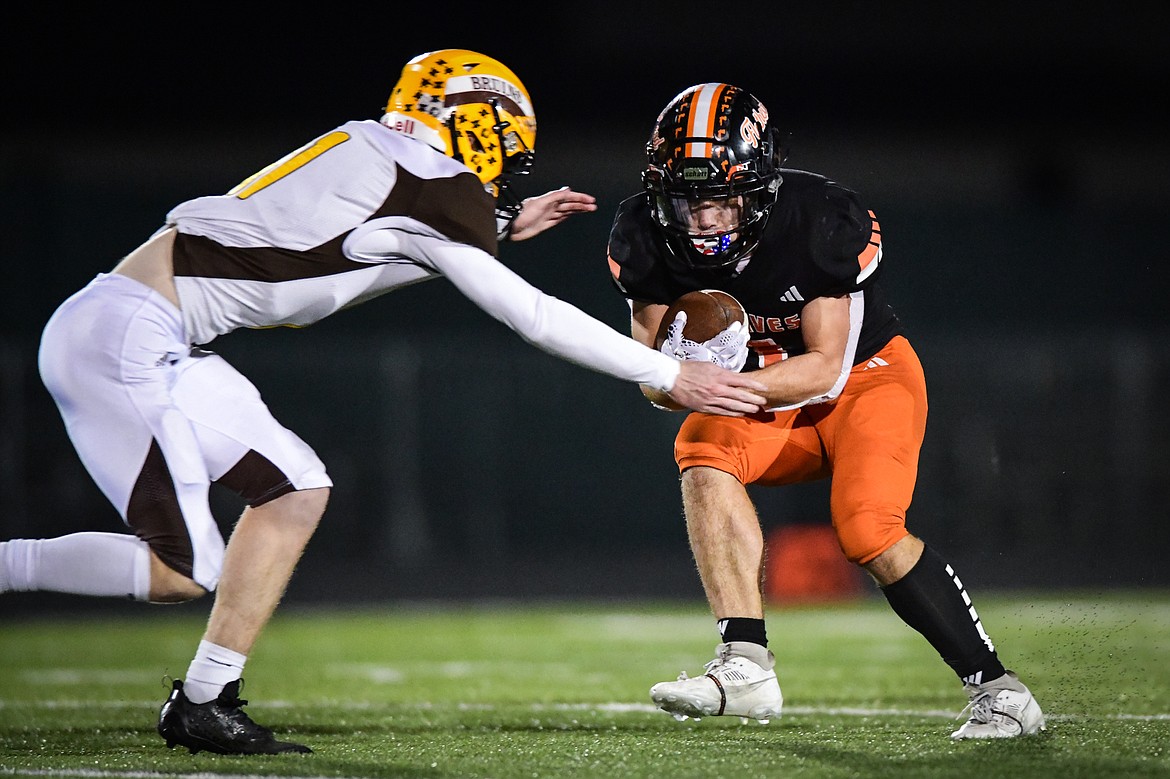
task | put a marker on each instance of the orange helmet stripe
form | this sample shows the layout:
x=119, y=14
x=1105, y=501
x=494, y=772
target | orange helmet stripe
x=701, y=120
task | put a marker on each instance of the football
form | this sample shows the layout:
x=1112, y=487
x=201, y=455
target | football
x=709, y=313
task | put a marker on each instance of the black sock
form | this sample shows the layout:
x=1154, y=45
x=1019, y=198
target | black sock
x=743, y=629
x=931, y=599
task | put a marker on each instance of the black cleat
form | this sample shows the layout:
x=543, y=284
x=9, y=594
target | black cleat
x=219, y=726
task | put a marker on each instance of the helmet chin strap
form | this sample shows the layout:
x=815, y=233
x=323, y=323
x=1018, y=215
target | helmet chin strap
x=508, y=203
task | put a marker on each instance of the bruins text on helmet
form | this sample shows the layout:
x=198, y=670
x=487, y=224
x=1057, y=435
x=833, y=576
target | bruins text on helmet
x=473, y=108
x=713, y=158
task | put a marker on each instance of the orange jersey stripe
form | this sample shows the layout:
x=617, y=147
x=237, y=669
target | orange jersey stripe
x=875, y=243
x=614, y=269
x=867, y=255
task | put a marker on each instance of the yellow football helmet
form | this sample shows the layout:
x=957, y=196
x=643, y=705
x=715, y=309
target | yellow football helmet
x=470, y=107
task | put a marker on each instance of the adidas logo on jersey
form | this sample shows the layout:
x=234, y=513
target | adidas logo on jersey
x=876, y=362
x=792, y=295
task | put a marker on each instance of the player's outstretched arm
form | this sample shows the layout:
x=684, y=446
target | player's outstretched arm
x=704, y=386
x=565, y=331
x=548, y=210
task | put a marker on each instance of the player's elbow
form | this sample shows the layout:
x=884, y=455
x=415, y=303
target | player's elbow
x=823, y=385
x=533, y=322
x=825, y=374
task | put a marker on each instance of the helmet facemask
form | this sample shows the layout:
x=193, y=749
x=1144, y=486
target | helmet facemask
x=713, y=229
x=500, y=140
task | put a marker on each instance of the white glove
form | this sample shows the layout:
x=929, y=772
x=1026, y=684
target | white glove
x=729, y=349
x=684, y=348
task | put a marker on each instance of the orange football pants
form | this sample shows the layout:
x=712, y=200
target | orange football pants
x=867, y=441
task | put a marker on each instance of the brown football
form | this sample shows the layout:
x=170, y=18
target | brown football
x=709, y=313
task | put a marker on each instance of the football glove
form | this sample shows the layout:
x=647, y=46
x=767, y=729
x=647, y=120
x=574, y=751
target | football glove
x=729, y=349
x=683, y=348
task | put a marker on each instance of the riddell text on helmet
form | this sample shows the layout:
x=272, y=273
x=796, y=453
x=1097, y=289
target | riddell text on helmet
x=403, y=125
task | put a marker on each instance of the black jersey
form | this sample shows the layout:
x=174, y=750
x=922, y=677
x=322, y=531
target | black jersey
x=819, y=241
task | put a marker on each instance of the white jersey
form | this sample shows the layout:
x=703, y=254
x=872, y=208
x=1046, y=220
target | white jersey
x=358, y=212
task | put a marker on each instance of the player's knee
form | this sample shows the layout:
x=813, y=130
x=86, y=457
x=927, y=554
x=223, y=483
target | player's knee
x=169, y=586
x=310, y=504
x=894, y=563
x=865, y=535
x=315, y=500
x=705, y=485
x=300, y=508
x=699, y=477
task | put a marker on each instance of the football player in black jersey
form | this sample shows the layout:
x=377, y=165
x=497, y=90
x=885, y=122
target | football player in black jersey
x=846, y=394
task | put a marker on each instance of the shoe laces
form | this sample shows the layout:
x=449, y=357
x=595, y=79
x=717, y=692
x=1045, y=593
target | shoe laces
x=719, y=661
x=232, y=699
x=234, y=704
x=980, y=708
x=712, y=665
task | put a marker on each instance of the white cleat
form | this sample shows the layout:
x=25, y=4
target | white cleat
x=1001, y=708
x=740, y=681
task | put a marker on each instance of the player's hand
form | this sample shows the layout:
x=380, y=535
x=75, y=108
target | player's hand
x=684, y=348
x=704, y=386
x=729, y=349
x=541, y=212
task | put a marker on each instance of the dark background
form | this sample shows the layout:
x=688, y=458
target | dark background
x=1016, y=155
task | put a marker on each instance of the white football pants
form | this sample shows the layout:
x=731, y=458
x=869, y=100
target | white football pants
x=155, y=421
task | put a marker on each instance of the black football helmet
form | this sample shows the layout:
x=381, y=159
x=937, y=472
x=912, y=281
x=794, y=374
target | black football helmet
x=713, y=151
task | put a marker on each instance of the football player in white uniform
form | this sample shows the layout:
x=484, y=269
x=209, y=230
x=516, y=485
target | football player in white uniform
x=365, y=209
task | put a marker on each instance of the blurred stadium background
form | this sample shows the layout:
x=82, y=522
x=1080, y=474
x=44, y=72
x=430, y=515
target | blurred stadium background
x=1016, y=156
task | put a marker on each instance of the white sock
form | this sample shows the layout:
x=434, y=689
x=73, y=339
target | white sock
x=212, y=667
x=101, y=564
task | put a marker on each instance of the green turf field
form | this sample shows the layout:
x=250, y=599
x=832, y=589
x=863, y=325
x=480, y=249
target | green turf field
x=560, y=690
